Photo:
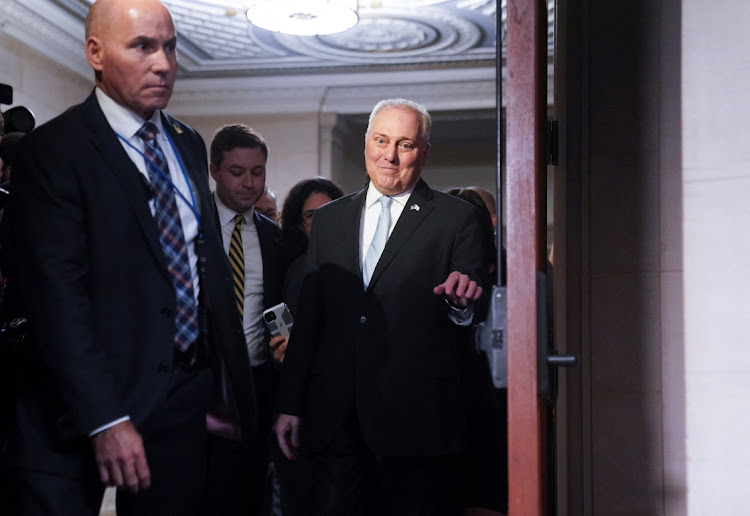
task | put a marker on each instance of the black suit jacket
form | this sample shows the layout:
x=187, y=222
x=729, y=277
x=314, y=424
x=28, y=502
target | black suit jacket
x=391, y=351
x=92, y=279
x=269, y=235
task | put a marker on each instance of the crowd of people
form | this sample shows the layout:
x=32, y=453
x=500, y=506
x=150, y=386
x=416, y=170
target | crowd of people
x=148, y=364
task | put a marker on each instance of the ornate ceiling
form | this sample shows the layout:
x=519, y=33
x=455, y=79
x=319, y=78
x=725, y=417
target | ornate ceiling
x=396, y=33
x=430, y=43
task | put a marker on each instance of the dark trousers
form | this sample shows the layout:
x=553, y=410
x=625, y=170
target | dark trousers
x=349, y=480
x=175, y=444
x=237, y=470
x=295, y=481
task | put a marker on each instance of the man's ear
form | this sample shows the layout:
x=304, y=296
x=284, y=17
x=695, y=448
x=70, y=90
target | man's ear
x=95, y=53
x=426, y=152
x=213, y=169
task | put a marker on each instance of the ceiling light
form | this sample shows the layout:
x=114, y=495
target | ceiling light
x=304, y=17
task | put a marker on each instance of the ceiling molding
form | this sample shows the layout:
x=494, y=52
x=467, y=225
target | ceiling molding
x=340, y=93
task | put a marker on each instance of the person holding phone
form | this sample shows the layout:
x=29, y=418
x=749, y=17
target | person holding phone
x=296, y=222
x=238, y=156
x=297, y=215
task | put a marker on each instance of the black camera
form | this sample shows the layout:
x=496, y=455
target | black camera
x=17, y=119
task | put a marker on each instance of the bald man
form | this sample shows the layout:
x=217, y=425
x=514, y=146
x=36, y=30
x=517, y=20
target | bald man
x=110, y=218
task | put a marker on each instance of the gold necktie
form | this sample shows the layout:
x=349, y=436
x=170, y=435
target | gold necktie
x=237, y=261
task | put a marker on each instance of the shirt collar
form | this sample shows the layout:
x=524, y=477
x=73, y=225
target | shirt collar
x=374, y=195
x=226, y=215
x=123, y=121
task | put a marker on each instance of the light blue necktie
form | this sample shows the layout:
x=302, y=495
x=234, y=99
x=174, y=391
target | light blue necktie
x=378, y=240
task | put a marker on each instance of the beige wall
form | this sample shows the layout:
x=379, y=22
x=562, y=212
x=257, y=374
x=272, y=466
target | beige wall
x=41, y=85
x=716, y=187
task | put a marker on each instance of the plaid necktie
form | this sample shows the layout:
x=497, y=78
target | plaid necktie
x=378, y=240
x=171, y=238
x=237, y=261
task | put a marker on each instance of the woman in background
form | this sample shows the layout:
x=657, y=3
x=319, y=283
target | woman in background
x=296, y=221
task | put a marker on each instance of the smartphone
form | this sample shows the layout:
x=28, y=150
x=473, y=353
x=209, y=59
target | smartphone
x=279, y=320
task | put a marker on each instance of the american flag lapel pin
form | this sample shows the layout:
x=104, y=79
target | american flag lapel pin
x=414, y=207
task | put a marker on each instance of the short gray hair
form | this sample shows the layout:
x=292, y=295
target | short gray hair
x=425, y=121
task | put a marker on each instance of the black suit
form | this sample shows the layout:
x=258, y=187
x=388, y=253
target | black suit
x=93, y=281
x=384, y=362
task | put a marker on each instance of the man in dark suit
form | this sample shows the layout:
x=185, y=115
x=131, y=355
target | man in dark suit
x=371, y=382
x=122, y=276
x=251, y=241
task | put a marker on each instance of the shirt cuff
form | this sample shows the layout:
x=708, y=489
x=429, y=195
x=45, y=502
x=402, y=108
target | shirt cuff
x=109, y=425
x=461, y=316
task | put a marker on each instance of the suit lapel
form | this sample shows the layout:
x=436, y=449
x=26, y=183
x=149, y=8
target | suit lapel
x=189, y=161
x=351, y=220
x=269, y=257
x=107, y=145
x=417, y=209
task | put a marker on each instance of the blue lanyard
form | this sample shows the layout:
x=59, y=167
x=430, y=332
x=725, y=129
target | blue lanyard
x=190, y=203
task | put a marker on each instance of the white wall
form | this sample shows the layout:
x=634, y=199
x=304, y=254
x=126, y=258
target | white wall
x=40, y=84
x=716, y=185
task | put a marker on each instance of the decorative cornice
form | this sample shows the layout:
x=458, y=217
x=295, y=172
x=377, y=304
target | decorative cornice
x=340, y=93
x=457, y=89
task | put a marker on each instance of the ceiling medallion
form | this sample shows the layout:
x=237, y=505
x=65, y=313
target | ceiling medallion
x=304, y=17
x=387, y=34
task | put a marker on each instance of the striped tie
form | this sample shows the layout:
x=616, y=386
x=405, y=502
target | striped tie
x=237, y=261
x=171, y=238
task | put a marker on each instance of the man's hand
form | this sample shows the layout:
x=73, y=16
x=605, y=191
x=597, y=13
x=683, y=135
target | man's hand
x=278, y=347
x=287, y=430
x=121, y=458
x=459, y=290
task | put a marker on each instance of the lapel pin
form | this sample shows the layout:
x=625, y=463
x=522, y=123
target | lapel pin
x=177, y=128
x=414, y=207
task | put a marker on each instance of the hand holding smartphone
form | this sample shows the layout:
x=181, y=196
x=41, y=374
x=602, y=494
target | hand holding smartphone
x=279, y=320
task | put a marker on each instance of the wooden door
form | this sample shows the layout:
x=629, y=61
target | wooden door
x=526, y=246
